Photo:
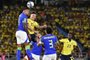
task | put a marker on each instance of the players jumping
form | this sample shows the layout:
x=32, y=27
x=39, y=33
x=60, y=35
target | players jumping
x=21, y=34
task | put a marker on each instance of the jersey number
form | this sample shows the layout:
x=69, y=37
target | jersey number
x=51, y=43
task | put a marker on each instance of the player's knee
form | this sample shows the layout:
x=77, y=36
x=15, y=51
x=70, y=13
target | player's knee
x=27, y=46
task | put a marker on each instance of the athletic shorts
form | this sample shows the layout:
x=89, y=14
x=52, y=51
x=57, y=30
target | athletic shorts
x=35, y=57
x=21, y=37
x=33, y=37
x=50, y=57
x=65, y=57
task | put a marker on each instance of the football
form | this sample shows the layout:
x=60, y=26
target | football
x=30, y=4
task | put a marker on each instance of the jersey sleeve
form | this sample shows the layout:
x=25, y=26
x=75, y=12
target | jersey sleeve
x=56, y=39
x=62, y=40
x=28, y=21
x=36, y=24
x=20, y=20
x=75, y=43
x=42, y=40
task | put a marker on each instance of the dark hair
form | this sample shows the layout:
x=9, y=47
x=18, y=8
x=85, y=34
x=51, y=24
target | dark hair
x=49, y=30
x=25, y=8
x=33, y=12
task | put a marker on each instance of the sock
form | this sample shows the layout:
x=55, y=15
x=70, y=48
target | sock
x=18, y=54
x=28, y=52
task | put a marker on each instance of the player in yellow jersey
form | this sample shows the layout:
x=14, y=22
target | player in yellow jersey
x=32, y=24
x=68, y=47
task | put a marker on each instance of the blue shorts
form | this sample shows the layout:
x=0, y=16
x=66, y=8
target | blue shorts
x=65, y=57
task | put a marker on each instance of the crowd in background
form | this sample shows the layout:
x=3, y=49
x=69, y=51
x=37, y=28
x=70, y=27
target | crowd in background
x=71, y=20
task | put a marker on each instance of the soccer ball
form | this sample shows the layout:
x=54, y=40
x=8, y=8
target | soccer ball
x=30, y=4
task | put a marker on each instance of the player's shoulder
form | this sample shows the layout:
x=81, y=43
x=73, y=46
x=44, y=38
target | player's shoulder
x=74, y=41
x=22, y=15
x=63, y=40
x=35, y=22
x=54, y=35
x=43, y=36
x=50, y=35
x=29, y=20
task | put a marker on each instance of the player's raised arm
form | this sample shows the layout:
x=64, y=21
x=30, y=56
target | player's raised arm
x=32, y=24
x=43, y=26
x=33, y=17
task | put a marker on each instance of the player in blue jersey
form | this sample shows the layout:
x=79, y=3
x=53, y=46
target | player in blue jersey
x=21, y=34
x=36, y=50
x=49, y=41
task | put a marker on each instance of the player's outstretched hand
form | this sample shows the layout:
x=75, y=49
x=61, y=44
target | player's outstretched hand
x=36, y=32
x=45, y=26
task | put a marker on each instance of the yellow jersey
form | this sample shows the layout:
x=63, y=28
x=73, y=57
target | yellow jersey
x=68, y=46
x=32, y=24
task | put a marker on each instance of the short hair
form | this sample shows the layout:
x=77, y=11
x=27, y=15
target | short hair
x=49, y=30
x=33, y=12
x=25, y=8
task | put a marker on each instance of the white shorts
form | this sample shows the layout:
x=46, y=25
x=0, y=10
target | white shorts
x=21, y=37
x=50, y=57
x=36, y=57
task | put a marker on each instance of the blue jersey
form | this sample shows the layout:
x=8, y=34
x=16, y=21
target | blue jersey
x=22, y=19
x=49, y=41
x=36, y=49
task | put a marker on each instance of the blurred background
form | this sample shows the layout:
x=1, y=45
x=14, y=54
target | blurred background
x=63, y=15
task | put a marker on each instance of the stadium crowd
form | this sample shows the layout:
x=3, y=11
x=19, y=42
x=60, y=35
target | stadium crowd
x=76, y=22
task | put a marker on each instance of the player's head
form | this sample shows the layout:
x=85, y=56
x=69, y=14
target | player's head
x=33, y=16
x=49, y=30
x=26, y=11
x=69, y=35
